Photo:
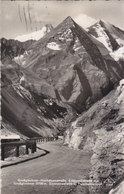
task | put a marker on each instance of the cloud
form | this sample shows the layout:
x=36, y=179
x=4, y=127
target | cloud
x=85, y=21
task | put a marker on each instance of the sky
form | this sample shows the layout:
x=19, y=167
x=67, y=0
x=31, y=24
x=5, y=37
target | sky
x=23, y=17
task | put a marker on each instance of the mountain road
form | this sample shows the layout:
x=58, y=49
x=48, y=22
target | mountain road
x=36, y=176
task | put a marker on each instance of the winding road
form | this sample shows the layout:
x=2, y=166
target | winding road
x=60, y=163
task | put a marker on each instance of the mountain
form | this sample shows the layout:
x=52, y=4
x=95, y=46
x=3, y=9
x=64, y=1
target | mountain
x=70, y=62
x=71, y=83
x=35, y=35
x=55, y=79
x=111, y=36
x=26, y=111
x=17, y=48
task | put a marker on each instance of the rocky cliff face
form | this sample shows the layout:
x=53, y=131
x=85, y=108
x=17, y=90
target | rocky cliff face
x=100, y=129
x=56, y=77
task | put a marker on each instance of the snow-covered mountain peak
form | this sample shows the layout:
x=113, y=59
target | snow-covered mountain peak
x=100, y=34
x=111, y=36
x=35, y=35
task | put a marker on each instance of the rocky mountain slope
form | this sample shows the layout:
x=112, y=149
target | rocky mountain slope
x=55, y=78
x=17, y=48
x=111, y=36
x=13, y=48
x=100, y=129
x=67, y=63
x=31, y=114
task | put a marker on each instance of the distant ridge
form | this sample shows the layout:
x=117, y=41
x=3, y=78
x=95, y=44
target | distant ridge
x=35, y=35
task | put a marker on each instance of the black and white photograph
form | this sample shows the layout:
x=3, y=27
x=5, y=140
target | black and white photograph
x=62, y=97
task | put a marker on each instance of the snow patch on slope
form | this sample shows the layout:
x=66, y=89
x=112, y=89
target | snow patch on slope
x=118, y=54
x=21, y=59
x=53, y=46
x=22, y=79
